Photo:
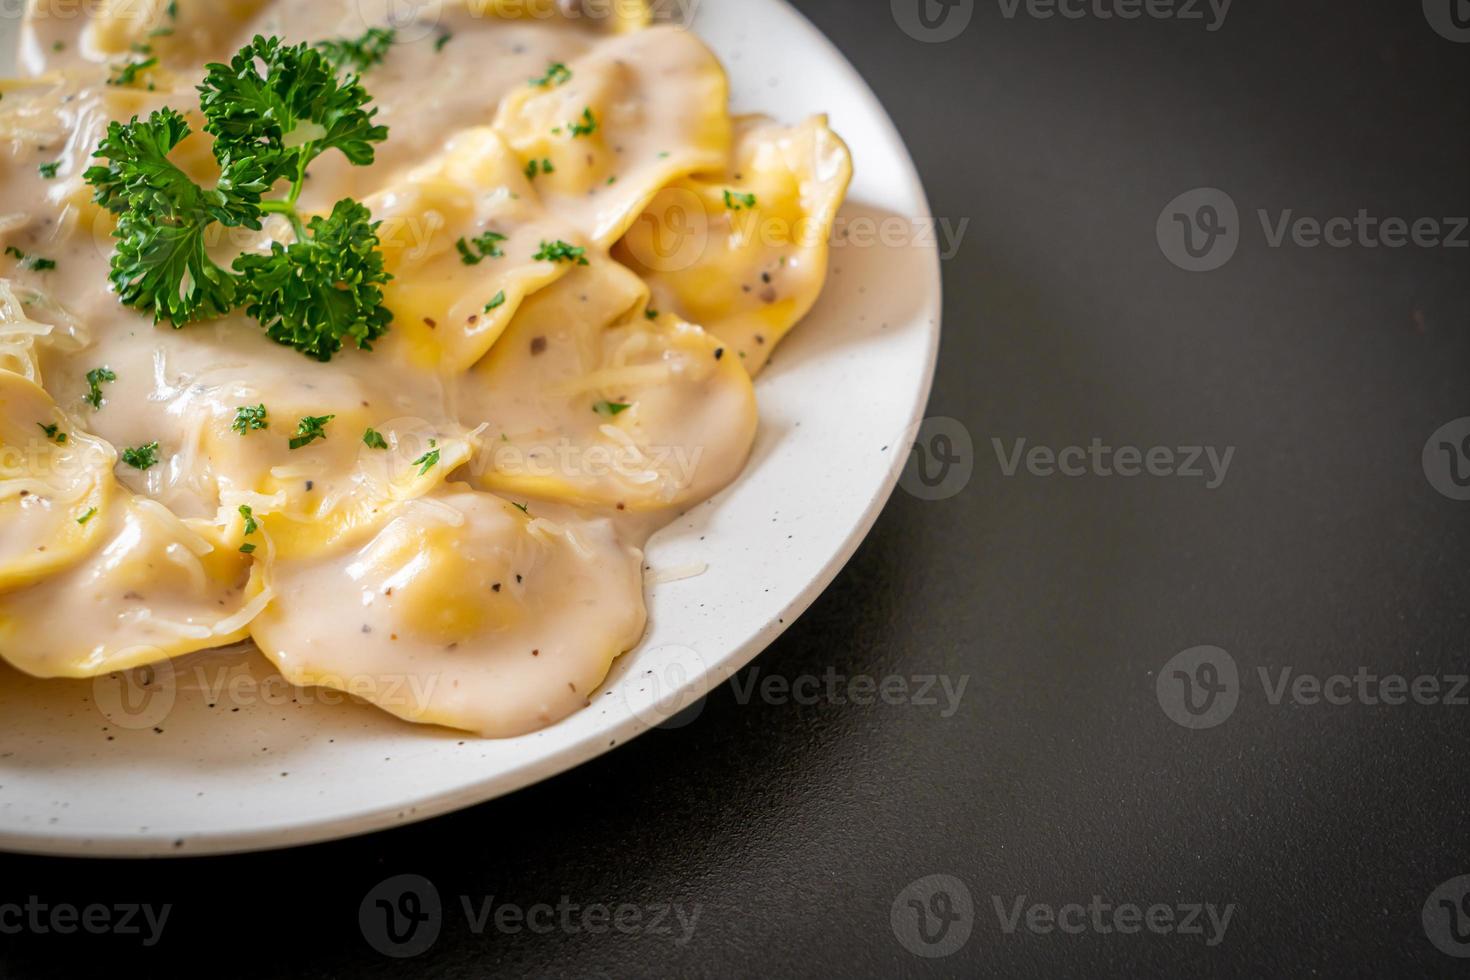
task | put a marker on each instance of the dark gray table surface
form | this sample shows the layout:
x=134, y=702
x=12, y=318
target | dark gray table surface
x=803, y=835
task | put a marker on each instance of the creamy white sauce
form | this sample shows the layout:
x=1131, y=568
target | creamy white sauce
x=483, y=569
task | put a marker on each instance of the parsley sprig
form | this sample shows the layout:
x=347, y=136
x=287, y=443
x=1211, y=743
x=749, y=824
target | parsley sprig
x=272, y=110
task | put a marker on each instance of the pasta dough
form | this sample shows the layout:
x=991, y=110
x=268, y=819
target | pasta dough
x=449, y=525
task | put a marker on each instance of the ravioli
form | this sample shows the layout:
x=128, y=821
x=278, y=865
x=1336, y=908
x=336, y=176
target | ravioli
x=744, y=252
x=601, y=402
x=461, y=237
x=179, y=32
x=52, y=477
x=450, y=525
x=156, y=588
x=606, y=133
x=462, y=611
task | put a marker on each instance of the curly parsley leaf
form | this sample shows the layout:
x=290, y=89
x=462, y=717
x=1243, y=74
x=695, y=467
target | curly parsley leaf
x=286, y=104
x=162, y=263
x=315, y=293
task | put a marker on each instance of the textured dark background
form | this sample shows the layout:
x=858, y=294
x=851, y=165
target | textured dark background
x=795, y=828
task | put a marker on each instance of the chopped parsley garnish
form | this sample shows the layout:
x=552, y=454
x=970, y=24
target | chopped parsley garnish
x=610, y=409
x=586, y=127
x=473, y=251
x=442, y=40
x=651, y=313
x=544, y=166
x=360, y=54
x=48, y=170
x=250, y=524
x=428, y=460
x=523, y=508
x=556, y=74
x=247, y=548
x=560, y=251
x=736, y=201
x=496, y=302
x=143, y=457
x=91, y=513
x=373, y=439
x=95, y=378
x=272, y=111
x=127, y=74
x=310, y=429
x=32, y=262
x=250, y=418
x=54, y=433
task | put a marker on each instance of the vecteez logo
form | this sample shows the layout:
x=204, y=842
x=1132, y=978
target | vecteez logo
x=1446, y=917
x=1200, y=230
x=140, y=698
x=933, y=21
x=1449, y=18
x=402, y=916
x=410, y=20
x=1199, y=688
x=39, y=918
x=1446, y=459
x=669, y=694
x=941, y=458
x=1211, y=13
x=933, y=916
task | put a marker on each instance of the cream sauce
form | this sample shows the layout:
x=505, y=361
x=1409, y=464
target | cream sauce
x=481, y=567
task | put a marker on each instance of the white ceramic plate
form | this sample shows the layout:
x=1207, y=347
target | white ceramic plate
x=219, y=756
